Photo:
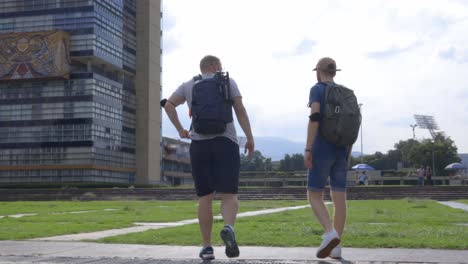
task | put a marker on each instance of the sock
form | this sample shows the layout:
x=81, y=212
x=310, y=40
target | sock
x=231, y=227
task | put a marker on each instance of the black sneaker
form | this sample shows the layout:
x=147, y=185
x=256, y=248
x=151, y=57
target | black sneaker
x=207, y=253
x=227, y=235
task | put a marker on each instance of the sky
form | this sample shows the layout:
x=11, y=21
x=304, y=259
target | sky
x=401, y=57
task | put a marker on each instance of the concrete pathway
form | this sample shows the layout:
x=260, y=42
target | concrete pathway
x=141, y=227
x=33, y=214
x=80, y=252
x=456, y=205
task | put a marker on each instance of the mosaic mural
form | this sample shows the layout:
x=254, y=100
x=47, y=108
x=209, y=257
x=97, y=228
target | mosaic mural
x=34, y=55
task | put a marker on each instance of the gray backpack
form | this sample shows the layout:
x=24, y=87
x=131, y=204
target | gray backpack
x=341, y=116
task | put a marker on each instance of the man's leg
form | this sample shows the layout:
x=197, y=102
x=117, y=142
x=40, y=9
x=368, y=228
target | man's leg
x=339, y=217
x=226, y=171
x=205, y=218
x=229, y=208
x=319, y=208
x=330, y=238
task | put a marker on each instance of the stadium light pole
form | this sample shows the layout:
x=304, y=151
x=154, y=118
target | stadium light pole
x=414, y=133
x=362, y=151
x=433, y=158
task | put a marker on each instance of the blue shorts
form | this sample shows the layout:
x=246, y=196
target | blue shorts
x=322, y=169
x=215, y=165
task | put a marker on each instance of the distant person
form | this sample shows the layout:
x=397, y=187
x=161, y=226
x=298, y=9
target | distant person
x=214, y=150
x=429, y=176
x=324, y=159
x=362, y=178
x=421, y=174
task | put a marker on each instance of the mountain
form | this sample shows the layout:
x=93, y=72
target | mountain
x=276, y=148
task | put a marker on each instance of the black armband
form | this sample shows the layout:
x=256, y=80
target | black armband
x=164, y=101
x=315, y=117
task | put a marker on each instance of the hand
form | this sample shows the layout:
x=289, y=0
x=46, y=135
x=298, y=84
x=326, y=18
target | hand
x=308, y=160
x=250, y=147
x=184, y=134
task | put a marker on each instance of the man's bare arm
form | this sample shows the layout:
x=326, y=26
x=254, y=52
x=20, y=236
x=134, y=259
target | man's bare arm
x=312, y=129
x=244, y=122
x=171, y=112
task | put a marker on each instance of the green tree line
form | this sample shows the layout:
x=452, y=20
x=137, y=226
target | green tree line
x=409, y=153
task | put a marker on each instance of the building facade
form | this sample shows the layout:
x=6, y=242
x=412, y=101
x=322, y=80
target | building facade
x=74, y=107
x=176, y=166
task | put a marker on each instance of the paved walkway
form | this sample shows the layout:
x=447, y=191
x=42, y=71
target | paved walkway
x=141, y=227
x=456, y=205
x=81, y=252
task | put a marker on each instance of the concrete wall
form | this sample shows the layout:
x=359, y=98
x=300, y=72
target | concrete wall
x=148, y=92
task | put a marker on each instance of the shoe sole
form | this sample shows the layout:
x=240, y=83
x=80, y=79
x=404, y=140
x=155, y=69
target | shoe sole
x=325, y=252
x=207, y=256
x=232, y=250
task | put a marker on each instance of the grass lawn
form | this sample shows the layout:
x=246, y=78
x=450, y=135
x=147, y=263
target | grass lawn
x=388, y=223
x=463, y=201
x=55, y=218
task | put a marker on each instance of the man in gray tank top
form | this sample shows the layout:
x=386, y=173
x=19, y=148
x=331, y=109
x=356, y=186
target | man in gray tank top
x=215, y=160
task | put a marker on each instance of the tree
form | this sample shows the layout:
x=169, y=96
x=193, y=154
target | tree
x=292, y=163
x=285, y=164
x=268, y=164
x=413, y=153
x=442, y=148
x=256, y=163
x=405, y=148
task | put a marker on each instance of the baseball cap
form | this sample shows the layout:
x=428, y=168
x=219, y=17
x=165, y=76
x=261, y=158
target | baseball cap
x=326, y=64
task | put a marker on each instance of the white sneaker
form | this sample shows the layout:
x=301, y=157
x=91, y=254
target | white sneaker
x=329, y=241
x=336, y=252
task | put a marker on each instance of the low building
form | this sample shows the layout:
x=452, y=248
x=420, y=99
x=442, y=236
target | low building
x=176, y=169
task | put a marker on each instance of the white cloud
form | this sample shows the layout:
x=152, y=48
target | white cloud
x=400, y=57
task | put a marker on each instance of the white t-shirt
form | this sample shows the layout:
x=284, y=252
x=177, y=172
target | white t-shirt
x=185, y=91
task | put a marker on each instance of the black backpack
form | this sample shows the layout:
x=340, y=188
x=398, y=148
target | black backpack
x=211, y=104
x=341, y=116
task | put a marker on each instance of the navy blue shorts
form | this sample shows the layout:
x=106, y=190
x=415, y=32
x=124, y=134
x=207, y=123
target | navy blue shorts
x=215, y=165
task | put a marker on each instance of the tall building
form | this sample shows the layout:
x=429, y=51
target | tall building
x=79, y=86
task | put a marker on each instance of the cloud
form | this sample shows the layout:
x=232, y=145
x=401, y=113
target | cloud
x=400, y=122
x=454, y=54
x=168, y=20
x=170, y=44
x=448, y=54
x=393, y=51
x=304, y=47
x=400, y=57
x=169, y=41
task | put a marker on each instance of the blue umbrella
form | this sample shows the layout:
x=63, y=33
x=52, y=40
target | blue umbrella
x=362, y=167
x=455, y=166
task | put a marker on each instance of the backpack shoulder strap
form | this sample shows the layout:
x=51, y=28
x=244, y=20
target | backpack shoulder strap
x=228, y=86
x=197, y=78
x=326, y=90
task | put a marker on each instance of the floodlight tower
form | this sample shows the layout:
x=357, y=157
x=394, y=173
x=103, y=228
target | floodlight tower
x=414, y=127
x=427, y=122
